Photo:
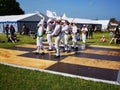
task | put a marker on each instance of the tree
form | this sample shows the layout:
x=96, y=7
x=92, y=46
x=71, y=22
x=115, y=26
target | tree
x=10, y=7
x=113, y=20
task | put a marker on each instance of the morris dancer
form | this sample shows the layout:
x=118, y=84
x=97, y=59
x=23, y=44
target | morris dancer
x=57, y=34
x=49, y=31
x=40, y=36
x=65, y=31
x=74, y=33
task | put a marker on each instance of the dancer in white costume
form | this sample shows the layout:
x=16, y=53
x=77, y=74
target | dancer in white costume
x=57, y=34
x=65, y=32
x=49, y=30
x=40, y=36
x=74, y=33
x=84, y=31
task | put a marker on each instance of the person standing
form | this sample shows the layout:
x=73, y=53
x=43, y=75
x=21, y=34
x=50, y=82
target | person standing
x=90, y=31
x=74, y=33
x=49, y=31
x=84, y=31
x=12, y=30
x=117, y=29
x=24, y=29
x=40, y=36
x=7, y=30
x=57, y=34
x=65, y=31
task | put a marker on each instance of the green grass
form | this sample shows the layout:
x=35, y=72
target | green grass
x=28, y=39
x=12, y=78
x=24, y=39
x=96, y=39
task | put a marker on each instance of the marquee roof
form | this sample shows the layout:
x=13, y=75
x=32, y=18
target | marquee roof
x=25, y=17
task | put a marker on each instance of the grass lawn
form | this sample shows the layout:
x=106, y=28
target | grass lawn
x=23, y=40
x=12, y=78
x=29, y=39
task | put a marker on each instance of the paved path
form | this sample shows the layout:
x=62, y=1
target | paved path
x=94, y=61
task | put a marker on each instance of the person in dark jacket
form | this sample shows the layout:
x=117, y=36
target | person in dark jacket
x=12, y=30
x=7, y=30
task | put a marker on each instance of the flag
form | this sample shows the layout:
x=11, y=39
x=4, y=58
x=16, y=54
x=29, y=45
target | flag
x=54, y=14
x=64, y=16
x=49, y=13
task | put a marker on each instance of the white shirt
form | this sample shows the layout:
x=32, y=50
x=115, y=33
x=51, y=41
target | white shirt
x=49, y=28
x=56, y=30
x=74, y=29
x=40, y=30
x=41, y=21
x=65, y=29
x=84, y=30
x=40, y=27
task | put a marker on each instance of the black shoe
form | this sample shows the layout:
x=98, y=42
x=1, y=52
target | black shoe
x=36, y=53
x=72, y=47
x=42, y=53
x=57, y=56
x=76, y=48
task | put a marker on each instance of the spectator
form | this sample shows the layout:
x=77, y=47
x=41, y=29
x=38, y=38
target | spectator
x=12, y=30
x=13, y=38
x=90, y=31
x=111, y=34
x=117, y=29
x=7, y=30
x=116, y=38
x=103, y=39
x=24, y=30
x=78, y=37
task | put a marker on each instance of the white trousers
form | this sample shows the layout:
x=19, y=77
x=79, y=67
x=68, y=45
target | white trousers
x=74, y=40
x=49, y=39
x=57, y=43
x=83, y=38
x=39, y=44
x=66, y=38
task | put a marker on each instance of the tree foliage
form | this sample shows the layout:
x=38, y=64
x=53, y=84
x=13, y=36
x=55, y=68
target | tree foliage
x=10, y=7
x=113, y=20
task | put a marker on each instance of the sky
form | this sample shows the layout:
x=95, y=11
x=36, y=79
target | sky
x=86, y=9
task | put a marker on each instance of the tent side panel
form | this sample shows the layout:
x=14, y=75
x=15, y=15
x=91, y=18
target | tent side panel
x=3, y=24
x=1, y=28
x=31, y=25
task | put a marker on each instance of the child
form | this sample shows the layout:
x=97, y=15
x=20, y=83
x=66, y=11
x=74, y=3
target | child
x=111, y=34
x=78, y=37
x=103, y=39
